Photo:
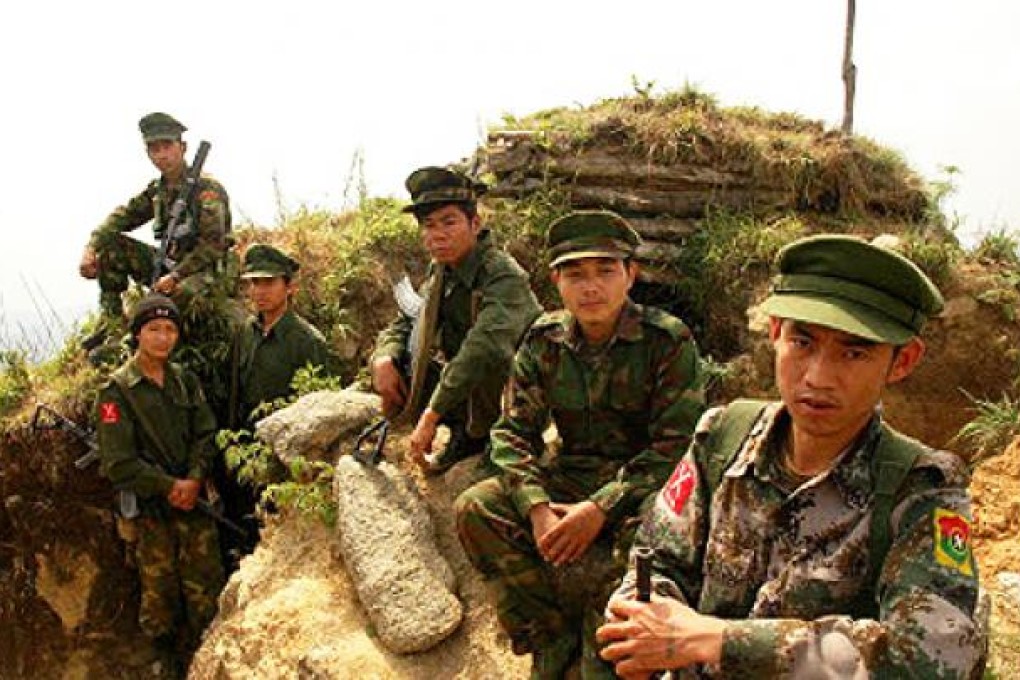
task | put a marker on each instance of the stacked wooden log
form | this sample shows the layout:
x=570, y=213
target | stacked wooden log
x=664, y=203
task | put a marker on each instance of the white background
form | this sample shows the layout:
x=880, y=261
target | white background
x=295, y=88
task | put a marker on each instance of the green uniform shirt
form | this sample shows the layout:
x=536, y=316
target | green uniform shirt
x=179, y=416
x=784, y=561
x=478, y=344
x=199, y=252
x=268, y=361
x=625, y=411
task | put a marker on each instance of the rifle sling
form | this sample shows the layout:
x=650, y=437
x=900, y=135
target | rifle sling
x=426, y=339
x=147, y=426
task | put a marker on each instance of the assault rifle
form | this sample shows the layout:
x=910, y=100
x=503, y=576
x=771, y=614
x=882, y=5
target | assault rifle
x=48, y=418
x=178, y=226
x=643, y=558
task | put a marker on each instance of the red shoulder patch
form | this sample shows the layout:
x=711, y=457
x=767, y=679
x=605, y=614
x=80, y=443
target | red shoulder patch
x=109, y=413
x=209, y=195
x=679, y=487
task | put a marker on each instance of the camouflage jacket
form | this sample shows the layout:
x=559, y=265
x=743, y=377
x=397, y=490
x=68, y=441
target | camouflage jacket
x=200, y=252
x=625, y=411
x=487, y=306
x=267, y=361
x=784, y=560
x=180, y=417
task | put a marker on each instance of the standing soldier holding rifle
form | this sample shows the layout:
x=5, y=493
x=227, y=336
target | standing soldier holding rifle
x=191, y=218
x=156, y=441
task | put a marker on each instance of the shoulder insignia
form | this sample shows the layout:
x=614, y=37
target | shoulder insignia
x=952, y=541
x=549, y=319
x=109, y=413
x=209, y=195
x=679, y=487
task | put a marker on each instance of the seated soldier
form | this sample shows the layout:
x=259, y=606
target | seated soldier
x=806, y=537
x=623, y=385
x=477, y=306
x=196, y=258
x=156, y=442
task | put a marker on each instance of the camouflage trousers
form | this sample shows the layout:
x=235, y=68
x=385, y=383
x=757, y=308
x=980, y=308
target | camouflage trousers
x=178, y=558
x=535, y=602
x=122, y=259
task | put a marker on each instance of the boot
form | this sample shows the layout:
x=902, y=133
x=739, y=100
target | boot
x=111, y=321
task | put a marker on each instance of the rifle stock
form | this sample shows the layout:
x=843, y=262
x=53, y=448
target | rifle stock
x=58, y=421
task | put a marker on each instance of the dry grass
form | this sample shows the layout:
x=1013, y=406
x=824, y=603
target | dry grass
x=820, y=169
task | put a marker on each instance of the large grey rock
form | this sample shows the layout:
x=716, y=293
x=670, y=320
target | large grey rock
x=315, y=422
x=388, y=544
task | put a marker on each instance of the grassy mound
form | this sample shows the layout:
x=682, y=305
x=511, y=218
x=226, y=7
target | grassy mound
x=819, y=169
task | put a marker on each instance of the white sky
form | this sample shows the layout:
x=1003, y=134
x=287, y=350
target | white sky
x=294, y=88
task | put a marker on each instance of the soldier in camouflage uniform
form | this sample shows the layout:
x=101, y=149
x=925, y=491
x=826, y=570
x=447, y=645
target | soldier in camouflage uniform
x=807, y=538
x=475, y=322
x=268, y=350
x=623, y=385
x=199, y=257
x=156, y=441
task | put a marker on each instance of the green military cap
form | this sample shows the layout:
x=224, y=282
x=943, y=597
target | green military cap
x=432, y=186
x=262, y=261
x=157, y=126
x=153, y=306
x=850, y=285
x=590, y=233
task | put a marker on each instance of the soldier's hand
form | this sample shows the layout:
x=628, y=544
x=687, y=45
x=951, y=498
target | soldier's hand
x=662, y=634
x=388, y=384
x=423, y=436
x=89, y=265
x=573, y=534
x=166, y=285
x=543, y=519
x=184, y=494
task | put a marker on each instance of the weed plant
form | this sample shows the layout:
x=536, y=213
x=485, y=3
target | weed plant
x=995, y=425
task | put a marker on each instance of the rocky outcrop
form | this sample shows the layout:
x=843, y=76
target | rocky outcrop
x=293, y=611
x=388, y=544
x=316, y=422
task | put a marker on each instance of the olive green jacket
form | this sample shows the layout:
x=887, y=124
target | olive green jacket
x=267, y=361
x=179, y=417
x=487, y=306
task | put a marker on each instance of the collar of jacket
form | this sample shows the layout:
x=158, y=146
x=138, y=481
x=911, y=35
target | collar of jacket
x=133, y=374
x=851, y=472
x=282, y=325
x=467, y=271
x=628, y=327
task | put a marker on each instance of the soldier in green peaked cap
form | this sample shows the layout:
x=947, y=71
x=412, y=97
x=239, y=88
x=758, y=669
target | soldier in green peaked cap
x=446, y=360
x=623, y=385
x=200, y=264
x=806, y=536
x=268, y=349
